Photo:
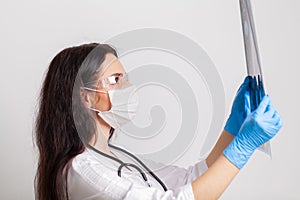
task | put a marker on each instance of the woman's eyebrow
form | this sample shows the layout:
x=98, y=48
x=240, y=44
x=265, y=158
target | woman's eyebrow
x=115, y=74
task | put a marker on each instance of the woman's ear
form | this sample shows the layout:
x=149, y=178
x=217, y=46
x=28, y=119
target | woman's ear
x=85, y=98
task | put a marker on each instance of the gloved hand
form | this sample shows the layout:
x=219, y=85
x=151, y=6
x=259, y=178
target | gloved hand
x=259, y=127
x=238, y=113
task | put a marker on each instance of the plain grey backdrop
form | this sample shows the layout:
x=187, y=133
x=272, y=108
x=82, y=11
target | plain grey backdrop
x=32, y=32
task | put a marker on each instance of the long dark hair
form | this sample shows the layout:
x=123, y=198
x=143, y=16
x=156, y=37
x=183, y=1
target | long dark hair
x=56, y=131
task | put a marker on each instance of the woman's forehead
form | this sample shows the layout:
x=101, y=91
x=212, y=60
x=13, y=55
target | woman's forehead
x=111, y=65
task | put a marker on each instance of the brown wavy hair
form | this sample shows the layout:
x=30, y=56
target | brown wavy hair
x=61, y=116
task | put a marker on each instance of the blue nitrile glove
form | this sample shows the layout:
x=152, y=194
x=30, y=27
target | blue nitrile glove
x=238, y=113
x=259, y=127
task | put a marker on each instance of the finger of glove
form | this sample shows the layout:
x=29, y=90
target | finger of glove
x=269, y=112
x=271, y=126
x=247, y=102
x=263, y=105
x=244, y=86
x=277, y=118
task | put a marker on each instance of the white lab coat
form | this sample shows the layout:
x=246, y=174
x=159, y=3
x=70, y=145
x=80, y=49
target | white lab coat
x=93, y=176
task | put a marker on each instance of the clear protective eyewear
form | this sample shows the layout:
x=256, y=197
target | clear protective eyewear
x=112, y=82
x=115, y=81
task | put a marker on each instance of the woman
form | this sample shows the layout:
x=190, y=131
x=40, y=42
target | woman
x=79, y=111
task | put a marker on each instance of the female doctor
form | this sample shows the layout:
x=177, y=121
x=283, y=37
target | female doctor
x=81, y=104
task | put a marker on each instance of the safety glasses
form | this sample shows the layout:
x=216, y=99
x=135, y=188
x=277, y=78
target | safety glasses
x=115, y=81
x=112, y=82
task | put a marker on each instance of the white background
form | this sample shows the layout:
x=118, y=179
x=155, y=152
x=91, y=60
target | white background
x=32, y=32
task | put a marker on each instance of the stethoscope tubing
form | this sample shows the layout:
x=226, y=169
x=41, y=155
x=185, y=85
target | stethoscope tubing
x=122, y=164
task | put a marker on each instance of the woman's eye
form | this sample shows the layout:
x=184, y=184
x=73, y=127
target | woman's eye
x=116, y=79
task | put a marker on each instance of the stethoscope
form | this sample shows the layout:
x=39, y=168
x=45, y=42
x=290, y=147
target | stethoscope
x=122, y=164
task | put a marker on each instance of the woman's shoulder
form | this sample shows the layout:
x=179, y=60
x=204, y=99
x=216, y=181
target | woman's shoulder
x=88, y=176
x=88, y=162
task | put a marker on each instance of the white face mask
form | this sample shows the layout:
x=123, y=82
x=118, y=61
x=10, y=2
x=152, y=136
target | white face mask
x=124, y=105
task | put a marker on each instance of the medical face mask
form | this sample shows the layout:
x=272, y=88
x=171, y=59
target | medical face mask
x=124, y=105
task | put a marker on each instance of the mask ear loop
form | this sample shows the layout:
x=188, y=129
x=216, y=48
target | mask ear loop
x=94, y=90
x=94, y=109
